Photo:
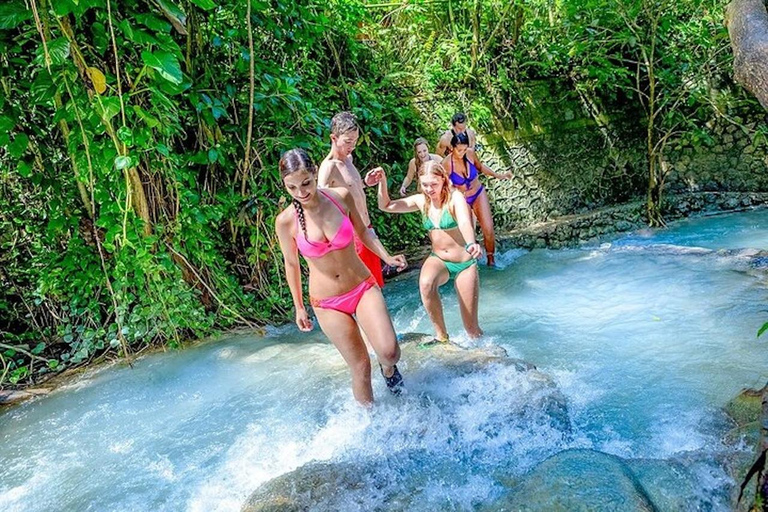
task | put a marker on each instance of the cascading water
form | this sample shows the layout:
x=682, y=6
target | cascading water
x=638, y=342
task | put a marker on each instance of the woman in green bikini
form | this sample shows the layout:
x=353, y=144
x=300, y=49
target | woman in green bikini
x=454, y=250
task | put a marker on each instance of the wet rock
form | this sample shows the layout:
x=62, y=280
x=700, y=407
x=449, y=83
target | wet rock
x=591, y=480
x=669, y=485
x=578, y=480
x=745, y=411
x=9, y=397
x=307, y=487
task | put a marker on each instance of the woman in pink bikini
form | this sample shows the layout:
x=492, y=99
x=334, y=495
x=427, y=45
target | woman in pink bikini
x=320, y=224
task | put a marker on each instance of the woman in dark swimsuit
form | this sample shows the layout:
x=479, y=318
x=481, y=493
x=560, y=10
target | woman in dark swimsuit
x=462, y=163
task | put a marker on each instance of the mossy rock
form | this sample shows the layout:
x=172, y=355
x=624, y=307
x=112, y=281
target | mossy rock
x=746, y=407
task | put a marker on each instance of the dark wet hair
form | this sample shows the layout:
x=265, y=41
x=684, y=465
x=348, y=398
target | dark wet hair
x=295, y=160
x=459, y=138
x=344, y=122
x=459, y=117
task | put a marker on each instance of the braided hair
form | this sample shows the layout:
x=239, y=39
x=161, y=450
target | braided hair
x=295, y=160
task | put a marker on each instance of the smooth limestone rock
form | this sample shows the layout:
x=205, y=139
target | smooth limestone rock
x=306, y=487
x=578, y=480
x=588, y=480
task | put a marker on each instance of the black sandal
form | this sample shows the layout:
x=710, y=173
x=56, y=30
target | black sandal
x=395, y=382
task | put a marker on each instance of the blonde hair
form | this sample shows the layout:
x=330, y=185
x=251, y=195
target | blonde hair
x=435, y=169
x=418, y=142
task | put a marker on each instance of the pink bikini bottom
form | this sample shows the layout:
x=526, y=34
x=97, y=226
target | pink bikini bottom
x=346, y=302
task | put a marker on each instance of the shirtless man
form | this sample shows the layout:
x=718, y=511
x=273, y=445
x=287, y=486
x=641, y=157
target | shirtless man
x=458, y=125
x=338, y=170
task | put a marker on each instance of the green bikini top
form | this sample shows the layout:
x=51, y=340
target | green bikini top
x=446, y=221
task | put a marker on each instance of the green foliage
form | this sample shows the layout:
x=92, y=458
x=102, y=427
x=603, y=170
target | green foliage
x=122, y=141
x=129, y=215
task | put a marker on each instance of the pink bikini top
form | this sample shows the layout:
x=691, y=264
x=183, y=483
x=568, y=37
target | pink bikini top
x=341, y=239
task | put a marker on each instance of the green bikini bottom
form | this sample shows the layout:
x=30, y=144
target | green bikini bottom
x=455, y=268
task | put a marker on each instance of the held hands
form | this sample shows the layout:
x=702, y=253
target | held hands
x=403, y=191
x=374, y=176
x=474, y=250
x=398, y=262
x=303, y=322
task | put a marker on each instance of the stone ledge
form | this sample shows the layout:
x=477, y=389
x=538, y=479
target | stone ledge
x=571, y=230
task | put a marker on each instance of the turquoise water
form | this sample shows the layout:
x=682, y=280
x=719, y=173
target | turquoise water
x=647, y=335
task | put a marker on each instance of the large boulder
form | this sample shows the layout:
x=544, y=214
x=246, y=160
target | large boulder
x=578, y=480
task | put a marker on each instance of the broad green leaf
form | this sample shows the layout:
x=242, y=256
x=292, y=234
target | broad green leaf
x=164, y=63
x=100, y=37
x=6, y=123
x=159, y=26
x=13, y=14
x=204, y=4
x=63, y=7
x=42, y=89
x=19, y=145
x=150, y=120
x=24, y=169
x=174, y=14
x=107, y=107
x=58, y=51
x=137, y=35
x=122, y=162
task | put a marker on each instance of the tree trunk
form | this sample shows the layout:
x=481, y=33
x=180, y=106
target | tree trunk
x=747, y=22
x=653, y=206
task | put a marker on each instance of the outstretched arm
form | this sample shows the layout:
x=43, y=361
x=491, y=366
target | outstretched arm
x=283, y=225
x=367, y=236
x=472, y=155
x=408, y=177
x=406, y=205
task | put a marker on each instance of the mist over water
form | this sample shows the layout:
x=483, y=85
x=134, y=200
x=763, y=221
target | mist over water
x=647, y=336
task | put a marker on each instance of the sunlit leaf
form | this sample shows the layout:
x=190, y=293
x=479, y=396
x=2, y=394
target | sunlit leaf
x=204, y=4
x=58, y=52
x=165, y=64
x=98, y=79
x=122, y=162
x=107, y=107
